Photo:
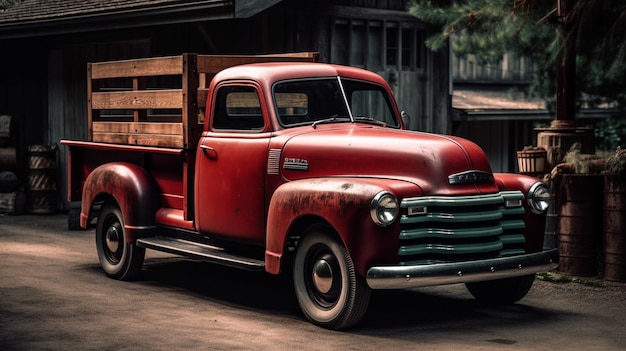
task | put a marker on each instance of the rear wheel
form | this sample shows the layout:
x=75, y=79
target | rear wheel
x=503, y=291
x=330, y=292
x=119, y=259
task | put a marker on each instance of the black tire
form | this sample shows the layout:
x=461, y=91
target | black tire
x=330, y=292
x=73, y=219
x=503, y=291
x=119, y=259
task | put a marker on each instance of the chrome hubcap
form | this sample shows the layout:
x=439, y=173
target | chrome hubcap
x=113, y=239
x=322, y=276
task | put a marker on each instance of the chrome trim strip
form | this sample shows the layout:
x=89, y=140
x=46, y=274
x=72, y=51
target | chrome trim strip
x=273, y=161
x=296, y=164
x=404, y=277
x=457, y=201
x=472, y=176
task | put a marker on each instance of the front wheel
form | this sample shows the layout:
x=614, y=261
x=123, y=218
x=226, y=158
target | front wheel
x=502, y=291
x=119, y=259
x=330, y=292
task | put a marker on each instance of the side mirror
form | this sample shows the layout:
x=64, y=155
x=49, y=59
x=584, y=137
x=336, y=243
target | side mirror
x=406, y=119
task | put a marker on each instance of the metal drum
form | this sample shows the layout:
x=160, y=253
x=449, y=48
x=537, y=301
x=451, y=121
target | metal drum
x=615, y=228
x=579, y=226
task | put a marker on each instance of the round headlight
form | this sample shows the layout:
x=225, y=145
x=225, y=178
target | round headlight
x=384, y=208
x=539, y=198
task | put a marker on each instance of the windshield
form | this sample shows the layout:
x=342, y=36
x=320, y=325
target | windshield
x=307, y=101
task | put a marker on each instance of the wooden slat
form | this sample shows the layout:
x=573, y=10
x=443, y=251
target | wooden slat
x=141, y=127
x=156, y=66
x=137, y=99
x=158, y=140
x=214, y=64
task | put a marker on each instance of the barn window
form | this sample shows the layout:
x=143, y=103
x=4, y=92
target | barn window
x=391, y=49
x=376, y=45
x=341, y=42
x=375, y=40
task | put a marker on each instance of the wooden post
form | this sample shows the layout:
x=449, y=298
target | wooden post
x=566, y=70
x=191, y=129
x=563, y=131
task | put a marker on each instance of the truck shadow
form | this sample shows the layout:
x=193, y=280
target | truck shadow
x=390, y=311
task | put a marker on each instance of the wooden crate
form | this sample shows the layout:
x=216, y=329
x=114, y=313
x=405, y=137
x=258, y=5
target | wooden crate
x=126, y=104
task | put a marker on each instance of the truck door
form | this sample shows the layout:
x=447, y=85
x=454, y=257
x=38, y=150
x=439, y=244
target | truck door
x=230, y=174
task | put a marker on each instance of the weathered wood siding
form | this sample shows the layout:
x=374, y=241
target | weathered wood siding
x=67, y=93
x=389, y=42
x=499, y=139
x=23, y=87
x=510, y=69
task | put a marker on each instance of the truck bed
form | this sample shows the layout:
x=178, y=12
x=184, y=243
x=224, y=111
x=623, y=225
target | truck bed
x=159, y=101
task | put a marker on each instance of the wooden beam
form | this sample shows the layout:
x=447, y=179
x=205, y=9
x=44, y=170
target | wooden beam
x=154, y=99
x=214, y=64
x=156, y=66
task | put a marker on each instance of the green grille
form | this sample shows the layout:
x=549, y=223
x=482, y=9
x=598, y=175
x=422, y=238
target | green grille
x=453, y=229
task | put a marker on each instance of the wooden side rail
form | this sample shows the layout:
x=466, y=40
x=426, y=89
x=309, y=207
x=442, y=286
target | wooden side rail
x=137, y=114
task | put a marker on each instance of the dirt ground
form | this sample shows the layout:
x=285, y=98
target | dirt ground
x=54, y=296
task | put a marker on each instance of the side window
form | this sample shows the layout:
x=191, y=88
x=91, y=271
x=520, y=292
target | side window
x=238, y=108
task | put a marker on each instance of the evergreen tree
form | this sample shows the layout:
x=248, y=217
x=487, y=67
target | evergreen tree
x=487, y=29
x=4, y=4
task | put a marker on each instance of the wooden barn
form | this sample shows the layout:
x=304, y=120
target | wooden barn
x=46, y=45
x=490, y=107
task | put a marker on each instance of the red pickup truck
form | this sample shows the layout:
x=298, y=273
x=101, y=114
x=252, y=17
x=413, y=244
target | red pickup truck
x=285, y=165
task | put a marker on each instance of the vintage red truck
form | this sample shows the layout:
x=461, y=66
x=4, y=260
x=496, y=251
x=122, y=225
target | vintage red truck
x=281, y=164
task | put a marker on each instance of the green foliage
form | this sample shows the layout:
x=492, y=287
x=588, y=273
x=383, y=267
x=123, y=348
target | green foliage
x=487, y=29
x=5, y=4
x=610, y=133
x=616, y=163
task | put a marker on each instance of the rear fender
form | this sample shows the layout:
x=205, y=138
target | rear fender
x=343, y=203
x=134, y=190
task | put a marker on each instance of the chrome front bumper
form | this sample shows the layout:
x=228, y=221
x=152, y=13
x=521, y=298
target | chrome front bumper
x=404, y=277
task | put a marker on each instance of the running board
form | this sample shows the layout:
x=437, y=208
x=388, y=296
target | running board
x=201, y=252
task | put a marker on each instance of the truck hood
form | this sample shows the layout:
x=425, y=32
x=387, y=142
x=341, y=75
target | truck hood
x=438, y=164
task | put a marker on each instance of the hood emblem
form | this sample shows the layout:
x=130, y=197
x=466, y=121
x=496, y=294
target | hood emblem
x=470, y=177
x=296, y=164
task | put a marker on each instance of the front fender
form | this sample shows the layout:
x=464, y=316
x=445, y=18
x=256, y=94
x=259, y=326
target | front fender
x=134, y=190
x=342, y=202
x=535, y=223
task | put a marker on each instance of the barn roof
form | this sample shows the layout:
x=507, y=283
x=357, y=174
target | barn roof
x=29, y=18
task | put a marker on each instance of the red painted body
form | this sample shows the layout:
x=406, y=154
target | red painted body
x=243, y=192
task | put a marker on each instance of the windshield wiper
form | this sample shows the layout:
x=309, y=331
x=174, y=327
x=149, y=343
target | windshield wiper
x=370, y=120
x=328, y=120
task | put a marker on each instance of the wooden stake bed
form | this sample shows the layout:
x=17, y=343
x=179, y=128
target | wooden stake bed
x=158, y=101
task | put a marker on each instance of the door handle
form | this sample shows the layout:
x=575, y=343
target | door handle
x=209, y=151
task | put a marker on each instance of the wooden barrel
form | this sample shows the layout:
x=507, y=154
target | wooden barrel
x=615, y=228
x=579, y=226
x=5, y=130
x=42, y=194
x=8, y=159
x=532, y=162
x=12, y=203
